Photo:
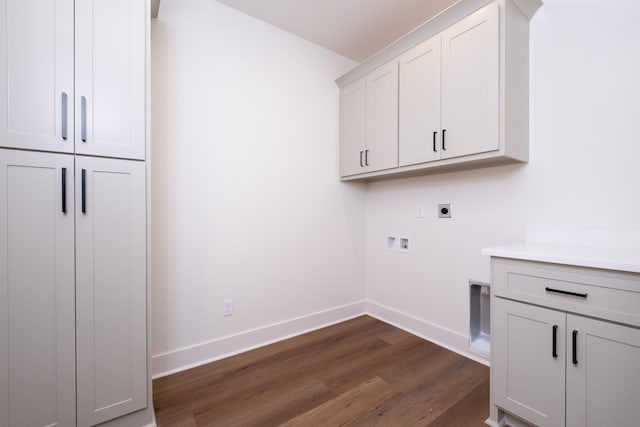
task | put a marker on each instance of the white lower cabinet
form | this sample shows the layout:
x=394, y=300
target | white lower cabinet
x=73, y=335
x=529, y=379
x=565, y=345
x=603, y=386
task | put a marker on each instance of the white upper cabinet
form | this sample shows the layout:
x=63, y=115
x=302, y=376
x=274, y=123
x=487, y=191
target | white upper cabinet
x=352, y=128
x=36, y=75
x=449, y=92
x=462, y=94
x=420, y=134
x=382, y=118
x=98, y=111
x=470, y=84
x=110, y=78
x=369, y=122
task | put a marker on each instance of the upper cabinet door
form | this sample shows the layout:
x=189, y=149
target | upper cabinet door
x=470, y=82
x=110, y=78
x=36, y=75
x=419, y=104
x=382, y=118
x=352, y=128
x=37, y=293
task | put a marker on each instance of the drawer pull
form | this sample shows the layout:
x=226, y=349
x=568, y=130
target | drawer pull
x=574, y=347
x=559, y=291
x=554, y=343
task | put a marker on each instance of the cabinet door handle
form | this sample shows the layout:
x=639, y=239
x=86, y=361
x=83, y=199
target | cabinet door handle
x=83, y=118
x=554, y=343
x=64, y=190
x=361, y=164
x=574, y=347
x=435, y=150
x=366, y=157
x=63, y=106
x=560, y=291
x=444, y=147
x=84, y=191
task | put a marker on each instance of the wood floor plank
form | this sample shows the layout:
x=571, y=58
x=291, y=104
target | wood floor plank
x=359, y=372
x=426, y=402
x=470, y=411
x=348, y=407
x=269, y=409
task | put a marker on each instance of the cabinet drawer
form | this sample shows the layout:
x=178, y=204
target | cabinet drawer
x=589, y=291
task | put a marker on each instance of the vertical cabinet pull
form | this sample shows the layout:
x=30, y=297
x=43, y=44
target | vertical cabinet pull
x=574, y=347
x=84, y=191
x=63, y=106
x=444, y=147
x=64, y=190
x=435, y=150
x=361, y=164
x=554, y=342
x=83, y=118
x=366, y=157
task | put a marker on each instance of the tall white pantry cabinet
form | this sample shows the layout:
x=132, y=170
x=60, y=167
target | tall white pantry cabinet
x=74, y=213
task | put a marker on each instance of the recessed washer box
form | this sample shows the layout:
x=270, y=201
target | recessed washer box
x=479, y=318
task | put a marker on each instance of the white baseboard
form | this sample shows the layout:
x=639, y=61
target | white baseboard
x=210, y=351
x=451, y=340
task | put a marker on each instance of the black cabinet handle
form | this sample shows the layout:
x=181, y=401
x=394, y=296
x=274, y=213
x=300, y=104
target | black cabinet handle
x=84, y=191
x=444, y=147
x=560, y=291
x=574, y=347
x=361, y=164
x=435, y=150
x=554, y=343
x=64, y=190
x=366, y=157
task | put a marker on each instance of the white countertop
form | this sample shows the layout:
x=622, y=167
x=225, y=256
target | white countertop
x=584, y=256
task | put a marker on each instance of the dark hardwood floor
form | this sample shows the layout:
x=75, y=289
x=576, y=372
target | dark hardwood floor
x=362, y=372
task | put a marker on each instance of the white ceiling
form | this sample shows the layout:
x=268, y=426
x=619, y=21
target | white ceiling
x=353, y=28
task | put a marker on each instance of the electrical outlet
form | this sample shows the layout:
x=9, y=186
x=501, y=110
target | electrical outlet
x=444, y=210
x=228, y=307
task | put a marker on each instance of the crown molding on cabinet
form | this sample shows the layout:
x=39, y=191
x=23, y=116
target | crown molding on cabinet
x=155, y=6
x=430, y=28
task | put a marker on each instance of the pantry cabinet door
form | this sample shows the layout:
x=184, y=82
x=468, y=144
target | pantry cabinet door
x=111, y=78
x=471, y=84
x=110, y=288
x=36, y=75
x=37, y=297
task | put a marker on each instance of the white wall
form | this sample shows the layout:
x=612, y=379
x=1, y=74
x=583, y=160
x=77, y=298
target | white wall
x=584, y=171
x=246, y=200
x=246, y=204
